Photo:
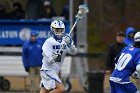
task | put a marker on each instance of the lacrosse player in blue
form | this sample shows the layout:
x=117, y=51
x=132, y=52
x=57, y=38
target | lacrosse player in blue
x=127, y=64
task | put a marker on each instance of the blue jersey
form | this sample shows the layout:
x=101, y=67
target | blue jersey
x=32, y=54
x=126, y=63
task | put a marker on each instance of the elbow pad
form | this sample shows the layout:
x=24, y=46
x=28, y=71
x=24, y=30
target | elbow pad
x=72, y=49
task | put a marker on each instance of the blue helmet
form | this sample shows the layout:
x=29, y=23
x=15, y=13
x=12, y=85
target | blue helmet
x=58, y=28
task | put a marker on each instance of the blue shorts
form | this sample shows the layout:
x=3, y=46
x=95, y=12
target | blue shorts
x=122, y=88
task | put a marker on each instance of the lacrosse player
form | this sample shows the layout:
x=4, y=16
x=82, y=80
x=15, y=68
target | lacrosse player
x=53, y=59
x=127, y=64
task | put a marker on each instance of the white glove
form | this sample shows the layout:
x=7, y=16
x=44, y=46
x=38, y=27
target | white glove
x=67, y=39
x=135, y=75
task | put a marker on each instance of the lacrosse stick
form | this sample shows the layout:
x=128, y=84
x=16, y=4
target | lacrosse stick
x=83, y=9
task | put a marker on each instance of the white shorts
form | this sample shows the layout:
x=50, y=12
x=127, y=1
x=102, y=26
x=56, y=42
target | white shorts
x=49, y=79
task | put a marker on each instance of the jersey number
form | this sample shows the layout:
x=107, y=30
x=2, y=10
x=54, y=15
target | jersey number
x=123, y=61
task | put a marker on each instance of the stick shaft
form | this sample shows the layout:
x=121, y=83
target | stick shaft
x=73, y=27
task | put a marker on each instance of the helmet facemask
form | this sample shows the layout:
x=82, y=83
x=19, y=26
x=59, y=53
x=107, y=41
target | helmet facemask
x=58, y=32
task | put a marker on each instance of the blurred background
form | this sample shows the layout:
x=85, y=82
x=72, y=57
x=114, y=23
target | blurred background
x=85, y=72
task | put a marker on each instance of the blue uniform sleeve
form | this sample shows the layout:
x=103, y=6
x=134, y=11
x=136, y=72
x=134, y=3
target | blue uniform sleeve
x=25, y=56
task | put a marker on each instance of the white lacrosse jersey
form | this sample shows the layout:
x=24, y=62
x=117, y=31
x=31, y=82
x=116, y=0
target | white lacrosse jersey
x=50, y=47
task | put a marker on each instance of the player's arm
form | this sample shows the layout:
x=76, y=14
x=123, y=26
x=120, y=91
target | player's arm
x=72, y=49
x=136, y=74
x=70, y=46
x=48, y=55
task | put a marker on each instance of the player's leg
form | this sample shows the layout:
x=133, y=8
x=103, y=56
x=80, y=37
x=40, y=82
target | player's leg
x=112, y=87
x=117, y=88
x=43, y=90
x=123, y=88
x=50, y=81
x=59, y=88
x=130, y=88
x=47, y=82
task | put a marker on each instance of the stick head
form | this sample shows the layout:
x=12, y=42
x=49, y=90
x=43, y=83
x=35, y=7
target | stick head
x=83, y=9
